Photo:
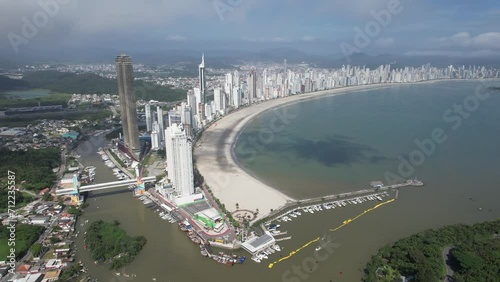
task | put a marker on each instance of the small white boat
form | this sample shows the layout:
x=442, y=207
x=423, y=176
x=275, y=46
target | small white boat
x=256, y=259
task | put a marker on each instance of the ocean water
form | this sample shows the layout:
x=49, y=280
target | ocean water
x=341, y=143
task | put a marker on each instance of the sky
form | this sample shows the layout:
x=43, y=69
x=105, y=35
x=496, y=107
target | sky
x=425, y=27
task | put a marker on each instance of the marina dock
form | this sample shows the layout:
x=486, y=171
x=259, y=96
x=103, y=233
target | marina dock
x=339, y=199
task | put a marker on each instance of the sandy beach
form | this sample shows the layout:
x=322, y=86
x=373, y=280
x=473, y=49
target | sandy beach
x=229, y=182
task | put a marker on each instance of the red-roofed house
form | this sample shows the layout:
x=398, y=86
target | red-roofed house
x=24, y=269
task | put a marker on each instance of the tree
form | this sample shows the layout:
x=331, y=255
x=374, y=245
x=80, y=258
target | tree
x=46, y=196
x=237, y=206
x=36, y=249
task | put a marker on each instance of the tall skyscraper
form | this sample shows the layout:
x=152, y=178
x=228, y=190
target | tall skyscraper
x=252, y=86
x=149, y=117
x=161, y=126
x=197, y=98
x=236, y=97
x=179, y=160
x=191, y=98
x=203, y=89
x=219, y=99
x=154, y=140
x=128, y=108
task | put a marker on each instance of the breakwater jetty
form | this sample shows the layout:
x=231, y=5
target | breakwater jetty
x=379, y=188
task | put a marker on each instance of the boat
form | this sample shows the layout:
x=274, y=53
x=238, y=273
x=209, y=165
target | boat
x=256, y=259
x=321, y=245
x=277, y=248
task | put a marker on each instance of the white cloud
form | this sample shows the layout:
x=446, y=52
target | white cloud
x=384, y=42
x=488, y=40
x=93, y=16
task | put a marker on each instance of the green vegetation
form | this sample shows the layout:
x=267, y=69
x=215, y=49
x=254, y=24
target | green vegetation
x=24, y=120
x=475, y=255
x=26, y=235
x=74, y=210
x=37, y=249
x=53, y=98
x=114, y=134
x=7, y=84
x=117, y=159
x=161, y=153
x=110, y=243
x=33, y=168
x=478, y=261
x=22, y=199
x=68, y=274
x=160, y=176
x=91, y=83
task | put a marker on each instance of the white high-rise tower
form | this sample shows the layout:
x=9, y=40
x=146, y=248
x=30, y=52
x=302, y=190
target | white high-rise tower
x=179, y=160
x=149, y=118
x=202, y=80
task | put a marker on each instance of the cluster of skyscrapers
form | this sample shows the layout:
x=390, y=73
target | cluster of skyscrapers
x=252, y=86
x=176, y=130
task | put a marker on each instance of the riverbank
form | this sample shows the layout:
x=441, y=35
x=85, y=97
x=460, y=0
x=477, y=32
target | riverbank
x=216, y=161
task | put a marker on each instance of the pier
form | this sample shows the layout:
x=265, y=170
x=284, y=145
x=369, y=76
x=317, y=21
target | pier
x=283, y=239
x=341, y=196
x=408, y=183
x=115, y=162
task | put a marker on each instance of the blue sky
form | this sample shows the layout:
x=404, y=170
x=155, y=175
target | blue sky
x=453, y=27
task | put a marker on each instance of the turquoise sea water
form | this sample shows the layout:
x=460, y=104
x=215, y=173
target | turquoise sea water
x=342, y=143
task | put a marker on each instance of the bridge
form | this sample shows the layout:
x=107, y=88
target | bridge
x=103, y=186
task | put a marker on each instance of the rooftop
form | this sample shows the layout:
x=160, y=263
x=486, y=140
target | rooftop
x=258, y=243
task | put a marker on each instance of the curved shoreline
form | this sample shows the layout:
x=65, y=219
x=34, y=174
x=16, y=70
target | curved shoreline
x=229, y=181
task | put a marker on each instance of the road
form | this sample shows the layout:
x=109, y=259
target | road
x=446, y=256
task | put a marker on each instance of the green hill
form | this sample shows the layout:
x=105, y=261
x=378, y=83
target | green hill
x=7, y=84
x=91, y=83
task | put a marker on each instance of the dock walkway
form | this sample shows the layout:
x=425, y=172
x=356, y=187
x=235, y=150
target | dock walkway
x=316, y=200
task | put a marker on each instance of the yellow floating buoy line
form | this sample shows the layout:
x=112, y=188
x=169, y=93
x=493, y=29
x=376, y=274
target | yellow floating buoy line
x=360, y=215
x=344, y=223
x=293, y=252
